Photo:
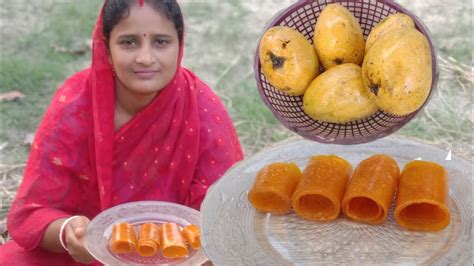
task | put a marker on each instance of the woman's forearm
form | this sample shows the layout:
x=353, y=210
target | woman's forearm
x=50, y=239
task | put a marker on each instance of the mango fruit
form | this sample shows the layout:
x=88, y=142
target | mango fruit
x=288, y=60
x=397, y=71
x=338, y=96
x=389, y=23
x=338, y=37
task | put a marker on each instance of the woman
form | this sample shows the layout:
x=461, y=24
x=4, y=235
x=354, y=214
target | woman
x=134, y=126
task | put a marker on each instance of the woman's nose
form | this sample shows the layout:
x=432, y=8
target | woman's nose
x=145, y=56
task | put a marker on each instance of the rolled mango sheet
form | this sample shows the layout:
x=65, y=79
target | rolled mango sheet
x=370, y=191
x=274, y=186
x=319, y=194
x=192, y=234
x=422, y=198
x=123, y=239
x=148, y=243
x=173, y=245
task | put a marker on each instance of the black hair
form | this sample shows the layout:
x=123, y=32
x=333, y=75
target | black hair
x=115, y=10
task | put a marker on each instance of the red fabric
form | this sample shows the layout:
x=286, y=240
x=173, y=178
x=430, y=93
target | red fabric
x=13, y=255
x=173, y=150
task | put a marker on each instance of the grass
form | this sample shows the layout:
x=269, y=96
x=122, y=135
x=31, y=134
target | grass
x=221, y=37
x=31, y=66
x=450, y=25
x=447, y=119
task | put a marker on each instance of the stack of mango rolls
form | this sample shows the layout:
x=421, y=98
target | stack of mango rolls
x=329, y=185
x=152, y=239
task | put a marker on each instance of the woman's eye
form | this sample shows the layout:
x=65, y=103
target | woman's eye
x=161, y=43
x=129, y=43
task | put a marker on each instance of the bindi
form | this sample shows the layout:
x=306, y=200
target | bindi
x=144, y=34
x=140, y=2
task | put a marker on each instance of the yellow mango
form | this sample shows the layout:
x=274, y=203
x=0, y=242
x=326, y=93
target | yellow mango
x=338, y=37
x=288, y=60
x=397, y=71
x=338, y=96
x=389, y=23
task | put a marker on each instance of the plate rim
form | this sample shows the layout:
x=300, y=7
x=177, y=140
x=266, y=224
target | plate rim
x=293, y=141
x=146, y=202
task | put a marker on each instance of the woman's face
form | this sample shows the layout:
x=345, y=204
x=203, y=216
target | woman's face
x=144, y=50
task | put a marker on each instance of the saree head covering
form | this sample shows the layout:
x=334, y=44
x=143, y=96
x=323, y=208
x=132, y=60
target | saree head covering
x=172, y=150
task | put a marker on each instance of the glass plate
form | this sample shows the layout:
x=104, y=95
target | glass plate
x=234, y=233
x=136, y=213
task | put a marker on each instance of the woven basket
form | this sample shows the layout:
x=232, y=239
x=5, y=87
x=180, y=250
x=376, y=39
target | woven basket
x=288, y=110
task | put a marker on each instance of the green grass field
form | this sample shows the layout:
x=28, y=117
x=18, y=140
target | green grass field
x=221, y=38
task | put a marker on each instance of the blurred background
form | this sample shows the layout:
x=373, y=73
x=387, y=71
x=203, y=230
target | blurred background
x=45, y=41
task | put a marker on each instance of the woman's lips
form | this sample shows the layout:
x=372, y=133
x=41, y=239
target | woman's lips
x=146, y=74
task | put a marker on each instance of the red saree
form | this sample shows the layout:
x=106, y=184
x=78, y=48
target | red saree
x=173, y=150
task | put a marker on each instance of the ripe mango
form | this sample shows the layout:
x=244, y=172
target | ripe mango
x=338, y=37
x=288, y=60
x=397, y=71
x=389, y=23
x=338, y=96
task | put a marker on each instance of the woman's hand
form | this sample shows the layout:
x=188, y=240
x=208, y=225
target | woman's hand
x=75, y=232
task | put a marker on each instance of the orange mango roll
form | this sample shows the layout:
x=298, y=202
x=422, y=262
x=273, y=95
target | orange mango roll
x=173, y=245
x=370, y=191
x=422, y=198
x=319, y=193
x=123, y=238
x=274, y=186
x=148, y=243
x=192, y=234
